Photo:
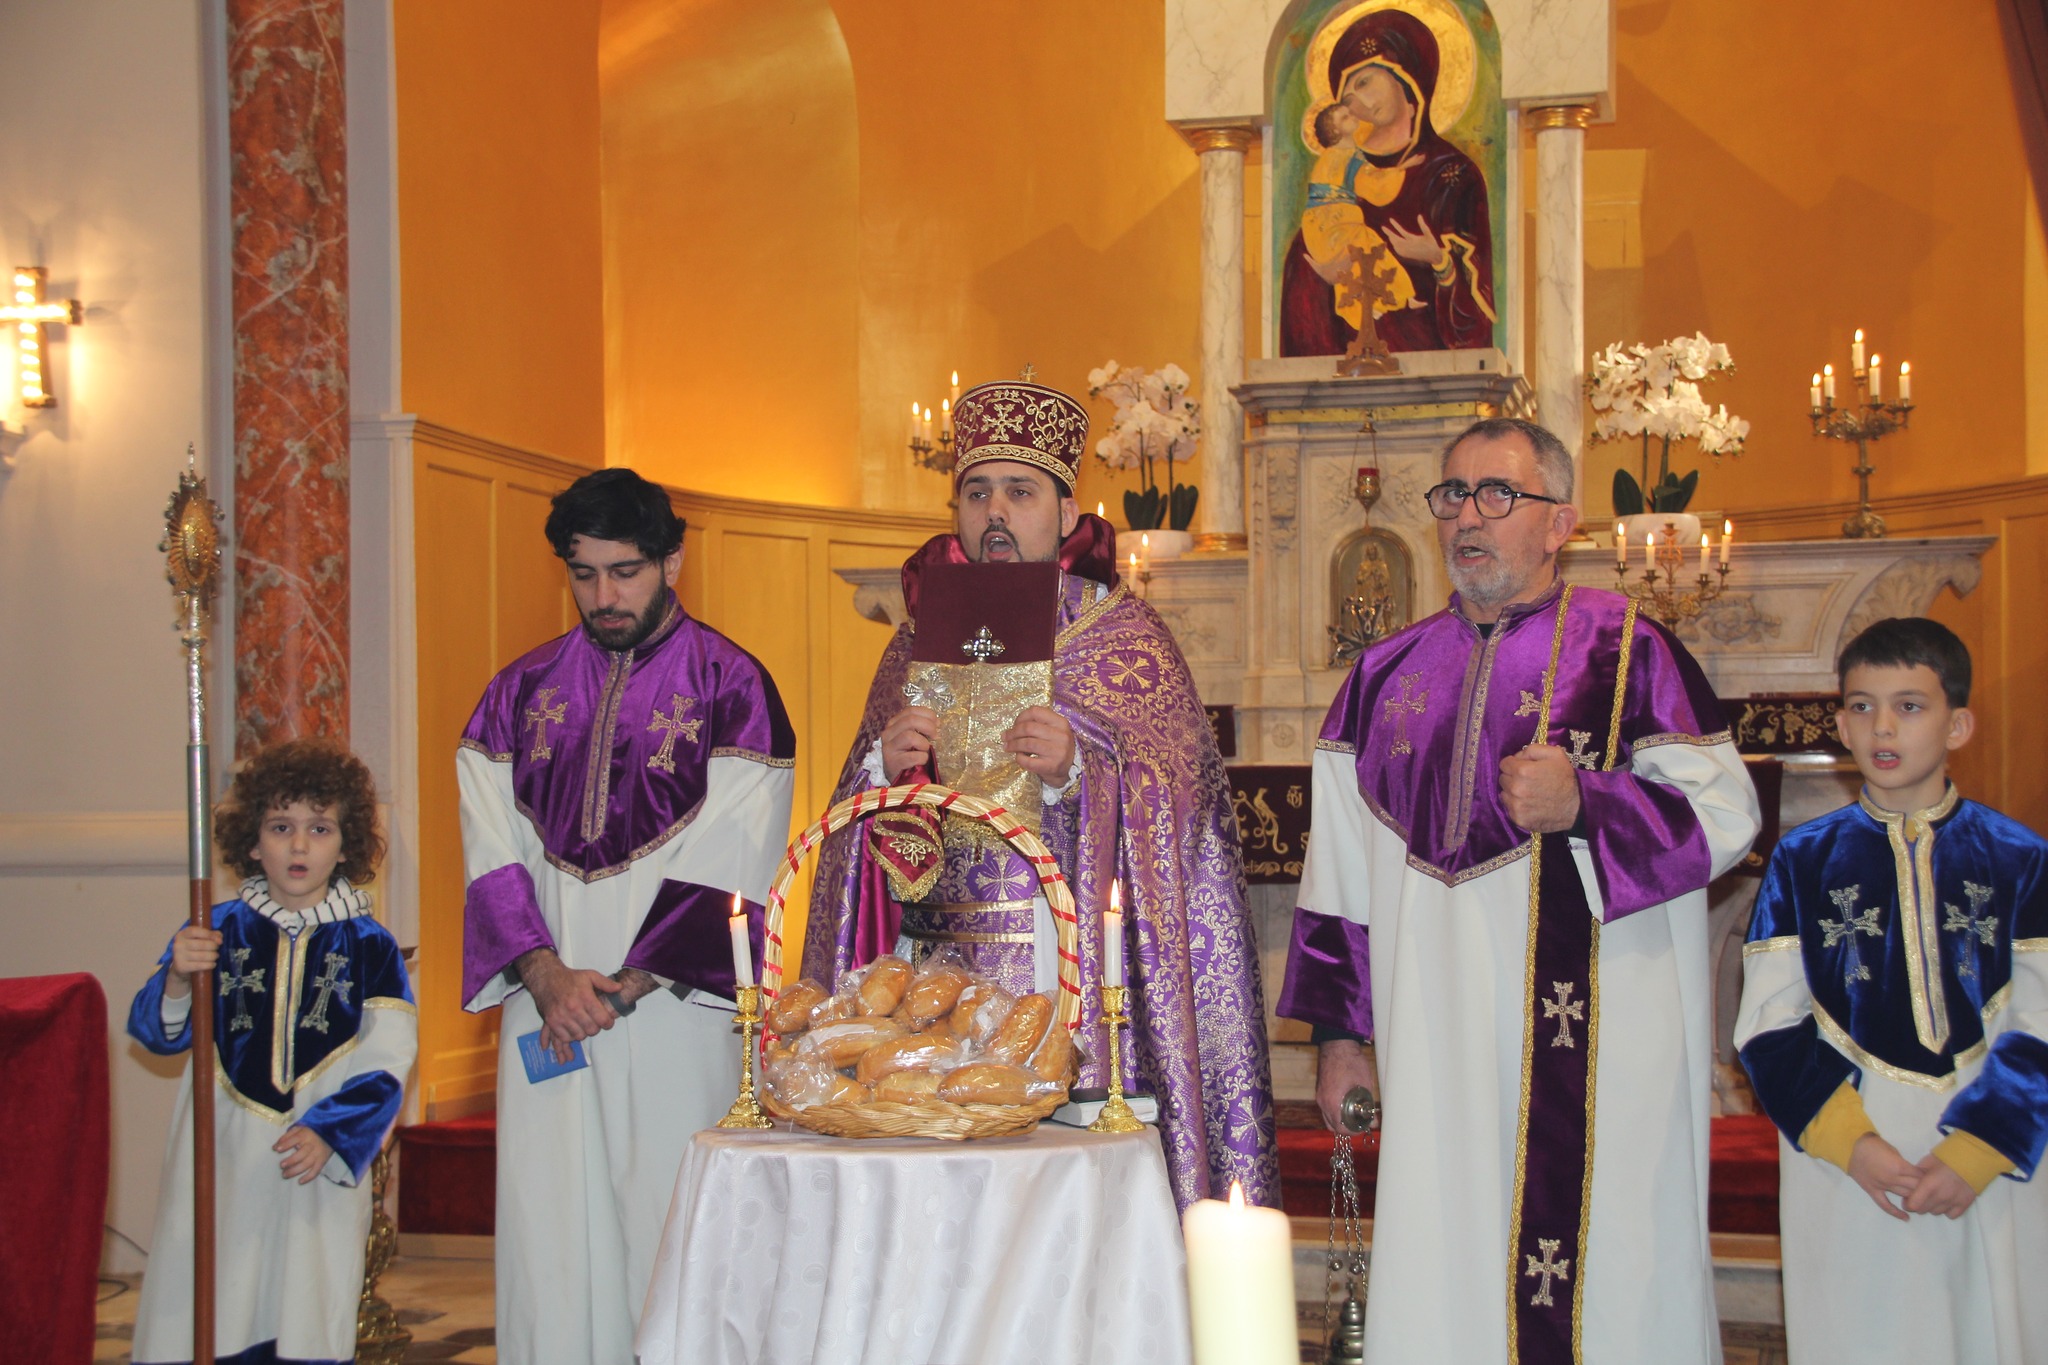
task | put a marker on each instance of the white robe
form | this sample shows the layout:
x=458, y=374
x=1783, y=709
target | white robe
x=587, y=1161
x=1861, y=1286
x=1448, y=967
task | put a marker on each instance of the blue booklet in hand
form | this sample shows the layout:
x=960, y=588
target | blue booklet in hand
x=540, y=1061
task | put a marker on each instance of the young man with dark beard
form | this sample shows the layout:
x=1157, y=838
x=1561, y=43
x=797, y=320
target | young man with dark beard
x=619, y=785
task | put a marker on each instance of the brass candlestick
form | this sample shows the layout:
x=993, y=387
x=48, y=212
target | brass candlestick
x=1659, y=591
x=1116, y=1116
x=1869, y=421
x=746, y=1108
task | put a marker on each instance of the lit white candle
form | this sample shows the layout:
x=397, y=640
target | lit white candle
x=1240, y=1282
x=1856, y=351
x=1814, y=399
x=742, y=947
x=1621, y=545
x=1113, y=937
x=1649, y=549
x=956, y=386
x=914, y=430
x=1905, y=381
x=1703, y=554
x=1876, y=377
x=946, y=416
x=1827, y=382
x=1098, y=510
x=927, y=423
x=1727, y=537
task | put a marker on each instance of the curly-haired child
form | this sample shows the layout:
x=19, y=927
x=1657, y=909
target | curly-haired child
x=314, y=1031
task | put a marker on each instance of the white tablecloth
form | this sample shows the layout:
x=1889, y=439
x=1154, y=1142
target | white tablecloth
x=787, y=1248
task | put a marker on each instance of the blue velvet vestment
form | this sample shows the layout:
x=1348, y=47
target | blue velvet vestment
x=1908, y=945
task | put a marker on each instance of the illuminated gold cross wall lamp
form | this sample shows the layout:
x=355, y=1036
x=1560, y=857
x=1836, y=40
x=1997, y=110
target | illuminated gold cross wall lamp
x=29, y=316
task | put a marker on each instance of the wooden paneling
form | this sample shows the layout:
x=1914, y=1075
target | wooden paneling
x=2000, y=622
x=487, y=589
x=763, y=573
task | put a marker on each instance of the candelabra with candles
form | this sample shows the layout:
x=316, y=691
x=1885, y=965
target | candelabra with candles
x=1659, y=588
x=932, y=448
x=1869, y=421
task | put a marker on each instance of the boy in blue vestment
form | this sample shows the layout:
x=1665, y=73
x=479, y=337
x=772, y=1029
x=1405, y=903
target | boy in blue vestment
x=1894, y=1011
x=314, y=1031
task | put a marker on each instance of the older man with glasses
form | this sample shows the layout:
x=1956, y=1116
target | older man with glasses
x=1519, y=803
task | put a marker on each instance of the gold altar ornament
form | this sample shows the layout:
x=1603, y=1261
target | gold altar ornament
x=1117, y=1115
x=191, y=548
x=1659, y=589
x=746, y=1109
x=380, y=1340
x=1868, y=422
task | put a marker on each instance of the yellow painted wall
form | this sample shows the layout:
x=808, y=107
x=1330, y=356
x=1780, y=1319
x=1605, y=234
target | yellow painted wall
x=499, y=269
x=1814, y=168
x=813, y=213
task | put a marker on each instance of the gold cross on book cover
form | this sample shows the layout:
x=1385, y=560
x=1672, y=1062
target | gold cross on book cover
x=982, y=653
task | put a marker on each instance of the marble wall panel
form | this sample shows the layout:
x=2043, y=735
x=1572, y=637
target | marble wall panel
x=288, y=150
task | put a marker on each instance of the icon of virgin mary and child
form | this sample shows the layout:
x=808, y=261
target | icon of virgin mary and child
x=1396, y=218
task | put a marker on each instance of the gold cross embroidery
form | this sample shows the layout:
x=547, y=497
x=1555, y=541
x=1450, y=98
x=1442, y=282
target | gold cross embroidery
x=1129, y=670
x=1564, y=1009
x=1551, y=1267
x=541, y=715
x=1531, y=704
x=674, y=724
x=1579, y=757
x=1398, y=709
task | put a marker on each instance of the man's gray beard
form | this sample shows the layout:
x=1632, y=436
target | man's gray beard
x=1485, y=585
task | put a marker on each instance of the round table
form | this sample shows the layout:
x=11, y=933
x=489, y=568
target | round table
x=783, y=1247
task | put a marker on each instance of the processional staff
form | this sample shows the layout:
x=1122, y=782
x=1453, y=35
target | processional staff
x=191, y=548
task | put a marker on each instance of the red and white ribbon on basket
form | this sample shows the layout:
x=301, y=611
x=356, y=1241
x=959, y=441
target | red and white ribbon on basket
x=863, y=804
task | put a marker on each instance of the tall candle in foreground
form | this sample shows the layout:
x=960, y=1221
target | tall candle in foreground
x=1113, y=937
x=1240, y=1283
x=742, y=948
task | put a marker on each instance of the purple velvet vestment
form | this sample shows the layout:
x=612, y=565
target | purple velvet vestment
x=610, y=754
x=1429, y=714
x=1151, y=807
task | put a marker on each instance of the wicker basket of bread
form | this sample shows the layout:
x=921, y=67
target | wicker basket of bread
x=929, y=1050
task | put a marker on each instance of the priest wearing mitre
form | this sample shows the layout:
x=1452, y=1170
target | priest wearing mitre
x=1030, y=675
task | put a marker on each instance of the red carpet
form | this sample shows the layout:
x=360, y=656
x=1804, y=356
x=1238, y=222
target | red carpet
x=1742, y=1182
x=54, y=1150
x=448, y=1174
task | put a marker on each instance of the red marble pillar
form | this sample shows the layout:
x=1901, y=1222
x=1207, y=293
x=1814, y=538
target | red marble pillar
x=287, y=142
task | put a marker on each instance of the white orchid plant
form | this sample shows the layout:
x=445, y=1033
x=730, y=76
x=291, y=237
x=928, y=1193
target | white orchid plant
x=1653, y=392
x=1155, y=420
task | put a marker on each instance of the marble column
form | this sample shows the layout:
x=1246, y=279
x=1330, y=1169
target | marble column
x=287, y=145
x=1219, y=515
x=1560, y=352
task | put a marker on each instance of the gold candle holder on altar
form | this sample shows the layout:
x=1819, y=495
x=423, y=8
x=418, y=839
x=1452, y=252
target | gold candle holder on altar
x=1869, y=421
x=1660, y=590
x=1116, y=1115
x=746, y=1108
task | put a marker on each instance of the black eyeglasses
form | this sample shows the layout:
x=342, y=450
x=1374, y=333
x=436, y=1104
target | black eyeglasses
x=1494, y=498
